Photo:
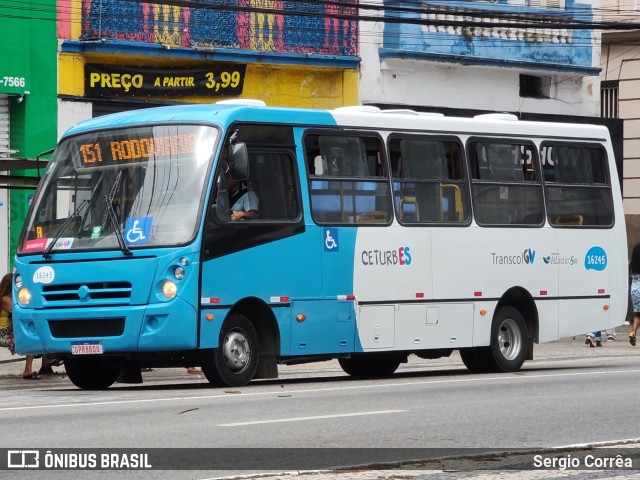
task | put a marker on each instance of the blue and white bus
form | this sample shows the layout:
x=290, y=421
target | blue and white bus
x=378, y=234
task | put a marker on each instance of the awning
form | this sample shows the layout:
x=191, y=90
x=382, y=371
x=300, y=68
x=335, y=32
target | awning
x=8, y=166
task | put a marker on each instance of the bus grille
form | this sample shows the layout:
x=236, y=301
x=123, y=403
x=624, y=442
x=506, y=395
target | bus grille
x=100, y=327
x=107, y=292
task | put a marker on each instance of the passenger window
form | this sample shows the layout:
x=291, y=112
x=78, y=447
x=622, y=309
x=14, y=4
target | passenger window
x=347, y=179
x=577, y=186
x=428, y=180
x=505, y=183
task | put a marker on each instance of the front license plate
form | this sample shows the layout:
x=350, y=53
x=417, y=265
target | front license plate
x=86, y=348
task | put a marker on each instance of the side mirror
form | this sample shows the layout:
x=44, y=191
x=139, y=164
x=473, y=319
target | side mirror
x=240, y=161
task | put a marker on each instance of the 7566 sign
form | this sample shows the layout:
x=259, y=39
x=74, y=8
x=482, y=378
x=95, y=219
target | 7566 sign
x=13, y=81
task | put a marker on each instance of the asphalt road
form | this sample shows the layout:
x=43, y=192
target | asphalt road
x=570, y=394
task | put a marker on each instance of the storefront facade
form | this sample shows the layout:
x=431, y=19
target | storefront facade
x=120, y=55
x=27, y=108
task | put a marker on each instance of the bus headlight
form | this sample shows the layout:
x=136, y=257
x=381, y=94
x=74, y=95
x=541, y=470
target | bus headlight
x=18, y=280
x=24, y=295
x=169, y=289
x=178, y=273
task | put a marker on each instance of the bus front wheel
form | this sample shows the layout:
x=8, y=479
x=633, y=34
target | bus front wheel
x=508, y=348
x=235, y=361
x=92, y=373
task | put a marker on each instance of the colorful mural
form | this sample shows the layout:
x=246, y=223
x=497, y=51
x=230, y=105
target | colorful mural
x=260, y=25
x=453, y=30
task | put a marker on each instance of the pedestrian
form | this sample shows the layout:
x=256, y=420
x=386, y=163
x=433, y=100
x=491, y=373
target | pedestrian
x=49, y=361
x=6, y=327
x=611, y=334
x=594, y=339
x=634, y=290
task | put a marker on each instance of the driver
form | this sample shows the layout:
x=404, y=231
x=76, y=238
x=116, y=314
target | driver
x=244, y=202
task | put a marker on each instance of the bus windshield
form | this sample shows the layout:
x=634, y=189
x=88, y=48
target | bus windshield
x=121, y=189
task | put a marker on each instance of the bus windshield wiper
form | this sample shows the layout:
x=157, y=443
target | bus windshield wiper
x=112, y=216
x=85, y=203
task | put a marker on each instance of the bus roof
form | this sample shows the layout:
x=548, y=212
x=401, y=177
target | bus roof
x=226, y=112
x=213, y=113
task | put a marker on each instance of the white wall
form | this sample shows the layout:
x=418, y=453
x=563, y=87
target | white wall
x=70, y=113
x=428, y=84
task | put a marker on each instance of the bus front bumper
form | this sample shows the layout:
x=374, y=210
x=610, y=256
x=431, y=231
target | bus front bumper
x=157, y=327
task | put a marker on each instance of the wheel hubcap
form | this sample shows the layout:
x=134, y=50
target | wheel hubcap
x=236, y=351
x=509, y=339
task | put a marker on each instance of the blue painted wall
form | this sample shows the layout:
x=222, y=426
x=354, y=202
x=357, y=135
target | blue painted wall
x=559, y=48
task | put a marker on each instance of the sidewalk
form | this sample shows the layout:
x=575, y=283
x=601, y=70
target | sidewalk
x=11, y=367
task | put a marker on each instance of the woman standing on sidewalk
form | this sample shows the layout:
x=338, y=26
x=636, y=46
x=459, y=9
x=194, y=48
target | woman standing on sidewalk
x=6, y=326
x=634, y=273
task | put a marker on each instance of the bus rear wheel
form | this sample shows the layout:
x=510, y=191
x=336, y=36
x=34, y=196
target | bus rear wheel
x=92, y=373
x=235, y=361
x=475, y=359
x=370, y=365
x=508, y=348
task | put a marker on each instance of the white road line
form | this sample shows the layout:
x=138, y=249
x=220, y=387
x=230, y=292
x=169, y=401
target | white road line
x=518, y=376
x=604, y=444
x=304, y=419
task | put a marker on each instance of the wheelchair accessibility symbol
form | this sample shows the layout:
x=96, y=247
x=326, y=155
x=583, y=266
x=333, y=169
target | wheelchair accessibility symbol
x=331, y=240
x=135, y=234
x=137, y=230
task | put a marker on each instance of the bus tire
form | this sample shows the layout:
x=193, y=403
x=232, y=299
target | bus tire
x=235, y=361
x=508, y=340
x=475, y=359
x=370, y=365
x=508, y=348
x=92, y=373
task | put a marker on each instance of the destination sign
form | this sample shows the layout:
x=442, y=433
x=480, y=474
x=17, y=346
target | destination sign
x=134, y=149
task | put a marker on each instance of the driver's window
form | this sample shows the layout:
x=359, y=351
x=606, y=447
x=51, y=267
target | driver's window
x=256, y=182
x=234, y=197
